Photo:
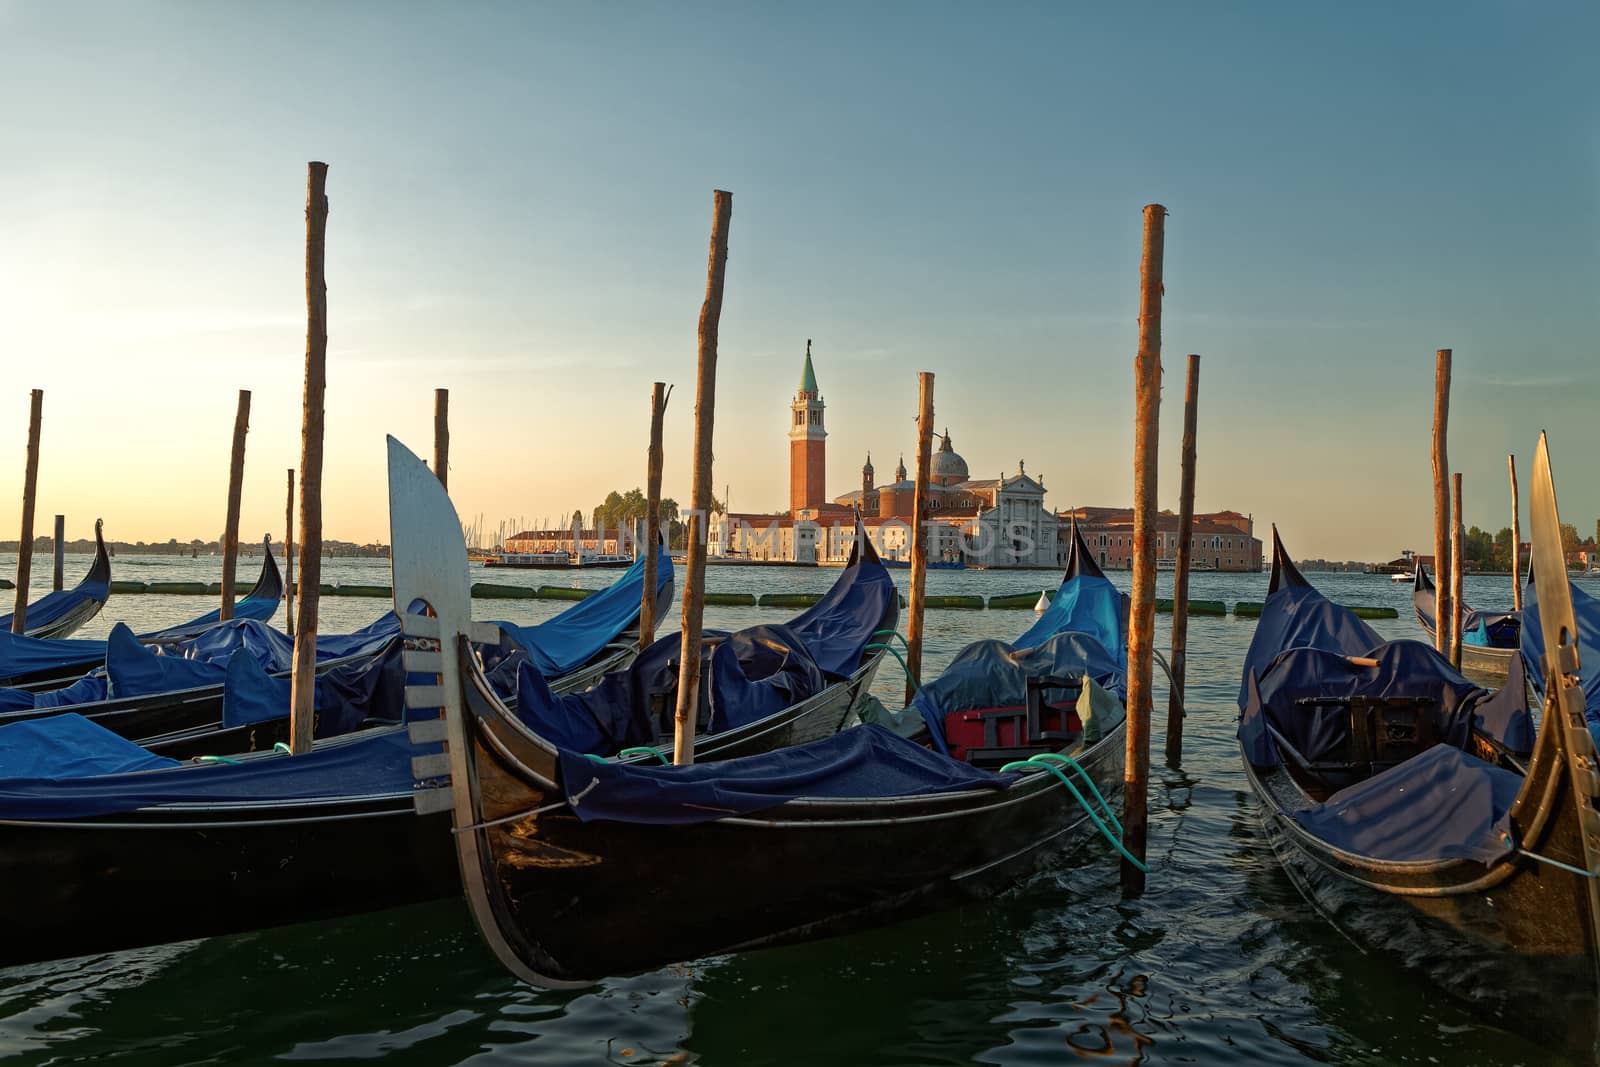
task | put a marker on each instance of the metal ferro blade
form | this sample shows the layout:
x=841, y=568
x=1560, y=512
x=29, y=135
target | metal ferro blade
x=1555, y=597
x=1564, y=699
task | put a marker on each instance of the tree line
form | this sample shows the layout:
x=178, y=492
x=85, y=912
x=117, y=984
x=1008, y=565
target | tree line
x=1493, y=551
x=621, y=510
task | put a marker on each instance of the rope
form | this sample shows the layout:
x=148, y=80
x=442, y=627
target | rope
x=1114, y=838
x=281, y=747
x=1171, y=682
x=644, y=750
x=915, y=685
x=1512, y=846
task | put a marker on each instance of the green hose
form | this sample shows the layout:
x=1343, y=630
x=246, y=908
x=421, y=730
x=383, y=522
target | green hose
x=915, y=685
x=215, y=759
x=1115, y=839
x=643, y=750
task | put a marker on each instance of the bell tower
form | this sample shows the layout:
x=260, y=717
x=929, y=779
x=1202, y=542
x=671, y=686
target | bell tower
x=807, y=443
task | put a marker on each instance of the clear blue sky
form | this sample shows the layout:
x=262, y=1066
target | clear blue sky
x=521, y=197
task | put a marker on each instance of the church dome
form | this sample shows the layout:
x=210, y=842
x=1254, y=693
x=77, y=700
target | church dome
x=948, y=466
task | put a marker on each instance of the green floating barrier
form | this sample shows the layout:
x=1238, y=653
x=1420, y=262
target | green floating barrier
x=1248, y=609
x=562, y=592
x=183, y=588
x=971, y=603
x=789, y=600
x=123, y=587
x=6, y=583
x=1196, y=607
x=214, y=589
x=1368, y=611
x=1017, y=600
x=490, y=591
x=732, y=600
x=364, y=590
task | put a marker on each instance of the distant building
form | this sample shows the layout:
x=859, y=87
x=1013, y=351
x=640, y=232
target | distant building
x=998, y=522
x=1221, y=540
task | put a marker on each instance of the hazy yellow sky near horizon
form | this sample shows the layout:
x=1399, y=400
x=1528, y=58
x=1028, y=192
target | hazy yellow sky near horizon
x=521, y=200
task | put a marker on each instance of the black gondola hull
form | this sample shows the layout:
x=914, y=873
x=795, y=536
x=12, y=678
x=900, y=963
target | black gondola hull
x=76, y=887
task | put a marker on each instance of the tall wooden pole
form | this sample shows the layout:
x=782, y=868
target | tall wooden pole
x=652, y=513
x=288, y=556
x=705, y=403
x=1456, y=568
x=1516, y=539
x=441, y=436
x=1142, y=612
x=230, y=530
x=30, y=484
x=302, y=718
x=1441, y=501
x=59, y=580
x=919, y=534
x=1180, y=576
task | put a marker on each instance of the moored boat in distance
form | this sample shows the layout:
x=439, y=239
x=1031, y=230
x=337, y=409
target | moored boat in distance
x=1489, y=640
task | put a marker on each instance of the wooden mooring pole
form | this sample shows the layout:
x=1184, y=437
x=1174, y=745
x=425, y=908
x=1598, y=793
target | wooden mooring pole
x=288, y=557
x=230, y=529
x=1516, y=539
x=59, y=580
x=302, y=718
x=652, y=511
x=30, y=485
x=1456, y=568
x=705, y=402
x=441, y=437
x=1142, y=610
x=919, y=534
x=1442, y=611
x=1180, y=574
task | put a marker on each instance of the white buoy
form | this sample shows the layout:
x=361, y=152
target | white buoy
x=1044, y=602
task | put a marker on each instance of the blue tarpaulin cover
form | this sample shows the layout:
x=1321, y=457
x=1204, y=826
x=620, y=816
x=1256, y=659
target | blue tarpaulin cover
x=1087, y=604
x=1586, y=613
x=376, y=763
x=69, y=746
x=572, y=638
x=866, y=762
x=366, y=690
x=1443, y=804
x=261, y=604
x=1295, y=615
x=22, y=656
x=746, y=676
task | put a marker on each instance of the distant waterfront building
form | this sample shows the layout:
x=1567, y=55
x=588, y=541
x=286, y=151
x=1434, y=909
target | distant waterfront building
x=1222, y=540
x=998, y=522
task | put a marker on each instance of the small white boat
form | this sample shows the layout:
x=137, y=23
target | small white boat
x=1402, y=577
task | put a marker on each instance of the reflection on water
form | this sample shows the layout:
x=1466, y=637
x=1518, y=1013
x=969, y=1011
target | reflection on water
x=1220, y=962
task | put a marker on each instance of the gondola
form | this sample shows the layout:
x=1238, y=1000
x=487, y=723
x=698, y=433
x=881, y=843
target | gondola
x=185, y=698
x=59, y=614
x=1489, y=640
x=1417, y=812
x=577, y=868
x=106, y=844
x=44, y=662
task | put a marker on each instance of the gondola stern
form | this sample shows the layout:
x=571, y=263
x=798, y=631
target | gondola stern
x=1080, y=560
x=100, y=569
x=1284, y=572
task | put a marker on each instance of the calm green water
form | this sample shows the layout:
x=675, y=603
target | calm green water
x=1220, y=962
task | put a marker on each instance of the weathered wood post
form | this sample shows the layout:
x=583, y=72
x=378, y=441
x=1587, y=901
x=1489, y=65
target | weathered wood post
x=1516, y=539
x=705, y=402
x=441, y=436
x=919, y=533
x=1142, y=611
x=230, y=529
x=302, y=718
x=59, y=581
x=1457, y=566
x=30, y=485
x=652, y=512
x=288, y=557
x=1180, y=576
x=1443, y=614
